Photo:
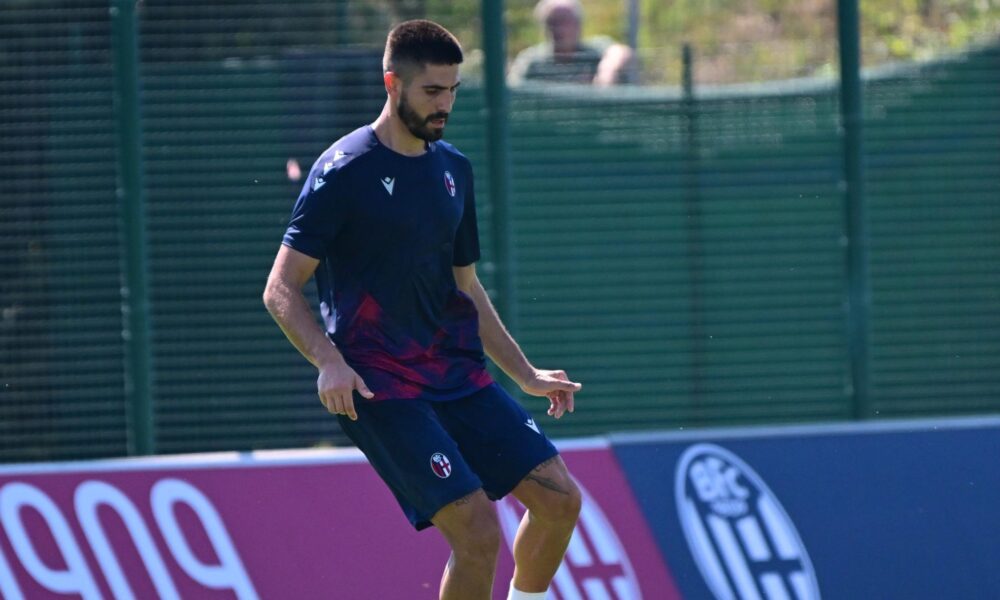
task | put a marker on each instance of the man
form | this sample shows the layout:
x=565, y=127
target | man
x=387, y=223
x=565, y=58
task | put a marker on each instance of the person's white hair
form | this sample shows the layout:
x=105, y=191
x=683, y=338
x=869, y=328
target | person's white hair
x=544, y=8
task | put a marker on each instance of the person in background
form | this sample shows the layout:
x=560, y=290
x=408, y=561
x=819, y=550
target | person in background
x=566, y=58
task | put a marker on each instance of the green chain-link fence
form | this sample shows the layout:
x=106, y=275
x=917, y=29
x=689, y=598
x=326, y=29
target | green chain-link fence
x=683, y=256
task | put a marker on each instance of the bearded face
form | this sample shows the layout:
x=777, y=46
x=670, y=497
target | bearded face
x=429, y=128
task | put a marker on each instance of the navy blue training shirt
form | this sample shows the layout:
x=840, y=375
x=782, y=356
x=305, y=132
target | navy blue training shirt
x=387, y=229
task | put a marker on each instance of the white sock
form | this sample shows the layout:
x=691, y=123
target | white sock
x=516, y=594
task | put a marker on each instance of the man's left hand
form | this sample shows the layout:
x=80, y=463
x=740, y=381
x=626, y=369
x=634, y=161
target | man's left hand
x=556, y=386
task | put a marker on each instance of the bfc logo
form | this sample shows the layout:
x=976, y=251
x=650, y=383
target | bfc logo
x=449, y=183
x=596, y=566
x=440, y=465
x=743, y=541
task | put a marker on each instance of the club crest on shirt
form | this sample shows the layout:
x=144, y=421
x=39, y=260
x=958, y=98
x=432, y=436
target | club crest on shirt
x=449, y=183
x=440, y=465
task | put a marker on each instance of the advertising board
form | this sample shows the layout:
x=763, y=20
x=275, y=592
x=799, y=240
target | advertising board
x=883, y=510
x=303, y=525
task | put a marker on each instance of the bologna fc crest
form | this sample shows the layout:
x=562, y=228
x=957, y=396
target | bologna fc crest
x=742, y=539
x=440, y=465
x=449, y=183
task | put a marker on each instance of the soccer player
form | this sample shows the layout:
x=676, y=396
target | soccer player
x=387, y=223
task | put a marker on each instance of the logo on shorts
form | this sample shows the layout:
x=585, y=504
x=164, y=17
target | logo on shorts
x=596, y=564
x=440, y=465
x=743, y=541
x=449, y=183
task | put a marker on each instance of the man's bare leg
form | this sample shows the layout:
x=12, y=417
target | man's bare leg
x=471, y=528
x=553, y=501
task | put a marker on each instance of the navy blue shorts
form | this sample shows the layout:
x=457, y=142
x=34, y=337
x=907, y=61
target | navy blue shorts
x=433, y=453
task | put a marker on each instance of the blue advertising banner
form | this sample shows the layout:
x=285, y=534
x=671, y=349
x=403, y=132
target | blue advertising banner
x=888, y=510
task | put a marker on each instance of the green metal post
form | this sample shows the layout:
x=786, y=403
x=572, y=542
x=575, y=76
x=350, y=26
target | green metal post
x=859, y=285
x=135, y=286
x=695, y=241
x=342, y=31
x=494, y=36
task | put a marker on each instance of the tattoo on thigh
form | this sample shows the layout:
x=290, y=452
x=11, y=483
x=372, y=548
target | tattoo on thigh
x=467, y=499
x=548, y=484
x=545, y=463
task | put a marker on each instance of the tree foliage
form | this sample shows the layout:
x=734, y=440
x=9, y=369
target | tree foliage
x=753, y=40
x=733, y=40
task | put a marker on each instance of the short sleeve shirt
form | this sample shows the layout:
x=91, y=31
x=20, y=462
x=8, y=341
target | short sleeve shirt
x=387, y=230
x=538, y=63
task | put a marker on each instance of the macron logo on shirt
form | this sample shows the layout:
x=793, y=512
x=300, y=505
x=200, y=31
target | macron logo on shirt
x=388, y=183
x=320, y=180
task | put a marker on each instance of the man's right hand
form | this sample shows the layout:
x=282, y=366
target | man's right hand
x=336, y=384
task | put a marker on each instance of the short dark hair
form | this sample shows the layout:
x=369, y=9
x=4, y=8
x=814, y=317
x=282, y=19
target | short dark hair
x=412, y=45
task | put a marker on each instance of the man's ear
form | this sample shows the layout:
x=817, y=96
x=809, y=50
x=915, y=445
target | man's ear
x=393, y=82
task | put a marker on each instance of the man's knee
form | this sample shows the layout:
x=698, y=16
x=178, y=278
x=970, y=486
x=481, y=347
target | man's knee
x=550, y=493
x=562, y=506
x=472, y=529
x=479, y=542
x=567, y=509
